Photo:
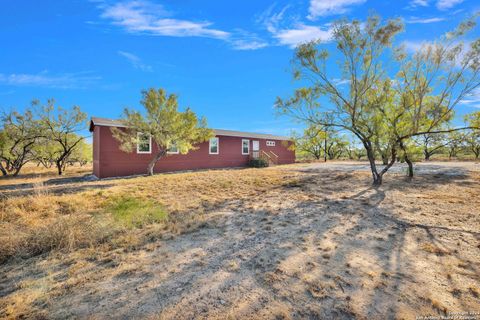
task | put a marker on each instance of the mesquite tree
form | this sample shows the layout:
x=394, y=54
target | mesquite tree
x=431, y=144
x=18, y=135
x=61, y=128
x=335, y=146
x=431, y=83
x=310, y=143
x=455, y=141
x=164, y=124
x=419, y=100
x=353, y=107
x=472, y=137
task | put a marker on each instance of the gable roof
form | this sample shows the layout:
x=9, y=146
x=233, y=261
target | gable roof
x=95, y=121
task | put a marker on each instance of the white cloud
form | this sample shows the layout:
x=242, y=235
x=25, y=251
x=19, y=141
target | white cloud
x=244, y=40
x=45, y=79
x=290, y=31
x=244, y=44
x=473, y=99
x=414, y=46
x=144, y=17
x=135, y=61
x=321, y=8
x=425, y=20
x=447, y=4
x=272, y=20
x=440, y=4
x=418, y=3
x=302, y=33
x=140, y=16
x=340, y=82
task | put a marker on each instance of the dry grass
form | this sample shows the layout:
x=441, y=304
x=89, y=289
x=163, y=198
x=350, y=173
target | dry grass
x=107, y=210
x=252, y=243
x=32, y=173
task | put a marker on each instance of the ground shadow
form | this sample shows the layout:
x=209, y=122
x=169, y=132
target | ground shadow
x=316, y=248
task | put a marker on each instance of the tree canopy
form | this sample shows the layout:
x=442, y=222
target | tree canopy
x=384, y=110
x=164, y=124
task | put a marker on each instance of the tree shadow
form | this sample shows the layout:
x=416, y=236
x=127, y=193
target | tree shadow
x=298, y=251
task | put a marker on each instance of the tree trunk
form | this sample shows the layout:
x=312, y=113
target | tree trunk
x=154, y=160
x=476, y=152
x=407, y=160
x=377, y=178
x=410, y=166
x=325, y=151
x=59, y=167
x=2, y=169
x=17, y=170
x=427, y=155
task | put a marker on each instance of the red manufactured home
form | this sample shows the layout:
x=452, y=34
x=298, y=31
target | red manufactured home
x=227, y=149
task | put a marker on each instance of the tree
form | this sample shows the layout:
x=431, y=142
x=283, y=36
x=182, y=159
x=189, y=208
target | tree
x=3, y=143
x=431, y=144
x=454, y=143
x=82, y=155
x=61, y=128
x=335, y=146
x=472, y=138
x=472, y=141
x=163, y=124
x=18, y=135
x=311, y=143
x=45, y=151
x=354, y=107
x=421, y=99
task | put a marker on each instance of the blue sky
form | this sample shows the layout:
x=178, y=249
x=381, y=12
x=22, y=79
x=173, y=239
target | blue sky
x=227, y=60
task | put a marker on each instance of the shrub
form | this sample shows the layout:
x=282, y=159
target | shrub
x=64, y=233
x=258, y=163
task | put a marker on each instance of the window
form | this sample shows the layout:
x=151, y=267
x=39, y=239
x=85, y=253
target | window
x=173, y=149
x=144, y=143
x=270, y=143
x=213, y=146
x=245, y=146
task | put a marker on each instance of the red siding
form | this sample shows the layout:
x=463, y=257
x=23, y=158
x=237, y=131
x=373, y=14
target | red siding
x=96, y=151
x=110, y=161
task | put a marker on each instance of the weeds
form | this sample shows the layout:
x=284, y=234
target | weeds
x=123, y=213
x=136, y=213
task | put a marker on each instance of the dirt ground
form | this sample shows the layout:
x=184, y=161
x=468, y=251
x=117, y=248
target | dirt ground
x=326, y=246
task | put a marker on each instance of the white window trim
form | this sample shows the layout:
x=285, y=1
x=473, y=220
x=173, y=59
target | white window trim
x=210, y=146
x=248, y=146
x=270, y=143
x=149, y=144
x=173, y=152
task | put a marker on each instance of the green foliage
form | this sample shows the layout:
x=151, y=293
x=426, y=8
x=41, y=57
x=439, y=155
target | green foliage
x=43, y=133
x=19, y=132
x=310, y=143
x=82, y=154
x=135, y=213
x=60, y=127
x=258, y=163
x=167, y=126
x=384, y=112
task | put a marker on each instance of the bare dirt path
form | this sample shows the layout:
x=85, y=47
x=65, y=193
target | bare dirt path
x=430, y=167
x=325, y=246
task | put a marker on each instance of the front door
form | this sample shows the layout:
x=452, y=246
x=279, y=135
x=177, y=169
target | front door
x=255, y=145
x=255, y=149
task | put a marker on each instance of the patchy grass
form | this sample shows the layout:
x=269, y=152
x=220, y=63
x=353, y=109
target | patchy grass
x=136, y=213
x=249, y=243
x=46, y=218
